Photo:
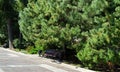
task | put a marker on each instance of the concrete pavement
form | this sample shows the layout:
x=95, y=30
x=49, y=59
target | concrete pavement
x=11, y=61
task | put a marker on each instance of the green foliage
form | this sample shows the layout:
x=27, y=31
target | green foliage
x=50, y=23
x=16, y=43
x=91, y=27
x=38, y=45
x=103, y=41
x=2, y=31
x=19, y=5
x=3, y=28
x=30, y=49
x=34, y=50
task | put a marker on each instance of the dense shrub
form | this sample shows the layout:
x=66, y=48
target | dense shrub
x=50, y=22
x=90, y=27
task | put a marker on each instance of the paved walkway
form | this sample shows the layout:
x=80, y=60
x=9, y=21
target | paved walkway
x=11, y=61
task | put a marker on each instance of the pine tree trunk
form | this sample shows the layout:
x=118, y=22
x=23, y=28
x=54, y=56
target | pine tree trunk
x=10, y=38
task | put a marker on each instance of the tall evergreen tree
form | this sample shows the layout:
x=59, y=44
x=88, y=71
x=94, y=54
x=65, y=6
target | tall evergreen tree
x=6, y=11
x=9, y=14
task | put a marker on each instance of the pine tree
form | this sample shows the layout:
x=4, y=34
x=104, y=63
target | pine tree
x=8, y=16
x=5, y=12
x=49, y=22
x=103, y=41
x=91, y=27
